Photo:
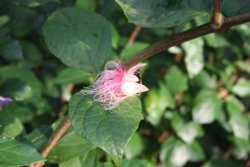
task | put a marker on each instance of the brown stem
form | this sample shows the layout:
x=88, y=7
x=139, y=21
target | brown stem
x=183, y=37
x=54, y=139
x=134, y=35
x=217, y=18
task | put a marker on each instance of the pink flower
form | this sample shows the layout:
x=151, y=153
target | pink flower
x=115, y=84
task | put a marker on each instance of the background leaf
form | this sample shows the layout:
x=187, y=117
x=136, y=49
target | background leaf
x=69, y=147
x=13, y=152
x=160, y=13
x=79, y=38
x=194, y=56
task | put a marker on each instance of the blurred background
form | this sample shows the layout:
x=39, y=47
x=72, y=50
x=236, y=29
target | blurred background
x=196, y=112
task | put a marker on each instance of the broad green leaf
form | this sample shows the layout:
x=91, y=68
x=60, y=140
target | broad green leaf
x=194, y=56
x=11, y=50
x=71, y=75
x=196, y=151
x=79, y=38
x=69, y=147
x=88, y=160
x=231, y=8
x=22, y=110
x=244, y=66
x=241, y=147
x=190, y=131
x=156, y=101
x=40, y=136
x=176, y=80
x=13, y=152
x=115, y=36
x=10, y=126
x=204, y=80
x=16, y=89
x=174, y=152
x=206, y=107
x=135, y=146
x=216, y=40
x=239, y=123
x=109, y=130
x=31, y=55
x=19, y=22
x=23, y=74
x=242, y=88
x=132, y=49
x=163, y=13
x=136, y=163
x=187, y=131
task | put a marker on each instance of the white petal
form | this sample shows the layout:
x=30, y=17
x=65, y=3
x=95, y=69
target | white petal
x=132, y=88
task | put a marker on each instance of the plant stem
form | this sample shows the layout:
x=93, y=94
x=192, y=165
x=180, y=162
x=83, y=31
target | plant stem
x=54, y=139
x=134, y=35
x=183, y=37
x=217, y=18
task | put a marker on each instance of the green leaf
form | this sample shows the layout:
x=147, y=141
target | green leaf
x=216, y=40
x=156, y=102
x=242, y=88
x=16, y=89
x=32, y=56
x=132, y=49
x=190, y=131
x=176, y=80
x=136, y=163
x=13, y=152
x=135, y=146
x=174, y=152
x=109, y=130
x=231, y=8
x=23, y=74
x=163, y=13
x=4, y=19
x=115, y=36
x=21, y=22
x=79, y=38
x=206, y=107
x=187, y=131
x=241, y=147
x=70, y=75
x=204, y=80
x=40, y=136
x=243, y=66
x=194, y=56
x=196, y=152
x=237, y=121
x=89, y=159
x=68, y=148
x=11, y=50
x=10, y=126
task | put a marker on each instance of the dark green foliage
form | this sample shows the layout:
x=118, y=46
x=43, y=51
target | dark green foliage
x=196, y=112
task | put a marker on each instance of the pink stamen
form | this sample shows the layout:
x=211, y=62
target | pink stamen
x=107, y=88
